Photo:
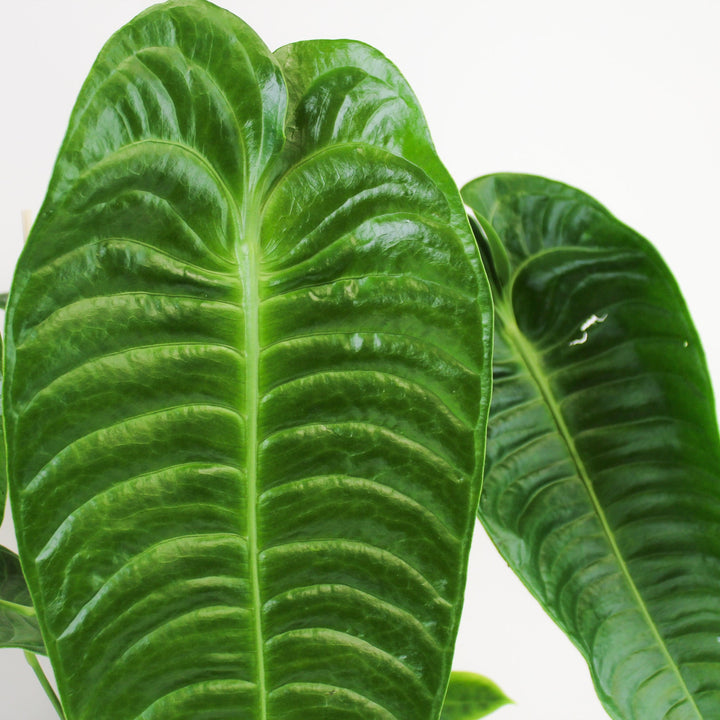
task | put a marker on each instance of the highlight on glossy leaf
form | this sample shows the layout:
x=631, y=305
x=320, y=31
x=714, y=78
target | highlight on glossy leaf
x=471, y=697
x=602, y=479
x=248, y=372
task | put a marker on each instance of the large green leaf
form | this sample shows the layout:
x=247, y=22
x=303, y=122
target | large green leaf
x=602, y=484
x=247, y=385
x=470, y=697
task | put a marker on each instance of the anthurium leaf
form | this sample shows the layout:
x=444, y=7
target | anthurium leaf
x=602, y=488
x=247, y=384
x=18, y=623
x=470, y=697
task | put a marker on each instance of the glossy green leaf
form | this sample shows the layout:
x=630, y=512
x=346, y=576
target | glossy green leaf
x=470, y=697
x=602, y=485
x=246, y=385
x=18, y=623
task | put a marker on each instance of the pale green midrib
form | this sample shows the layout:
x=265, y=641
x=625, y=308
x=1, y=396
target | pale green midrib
x=24, y=610
x=526, y=354
x=251, y=302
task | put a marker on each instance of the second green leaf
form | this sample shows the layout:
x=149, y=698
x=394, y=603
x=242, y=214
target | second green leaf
x=602, y=485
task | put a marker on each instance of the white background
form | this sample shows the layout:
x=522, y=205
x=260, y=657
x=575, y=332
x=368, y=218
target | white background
x=618, y=97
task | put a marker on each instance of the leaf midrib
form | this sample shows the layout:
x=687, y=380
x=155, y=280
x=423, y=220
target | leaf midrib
x=526, y=354
x=18, y=609
x=250, y=273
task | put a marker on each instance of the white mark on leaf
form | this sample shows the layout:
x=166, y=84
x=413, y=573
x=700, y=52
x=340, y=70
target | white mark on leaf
x=592, y=320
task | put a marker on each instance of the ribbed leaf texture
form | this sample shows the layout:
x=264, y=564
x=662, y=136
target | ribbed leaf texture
x=247, y=385
x=602, y=488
